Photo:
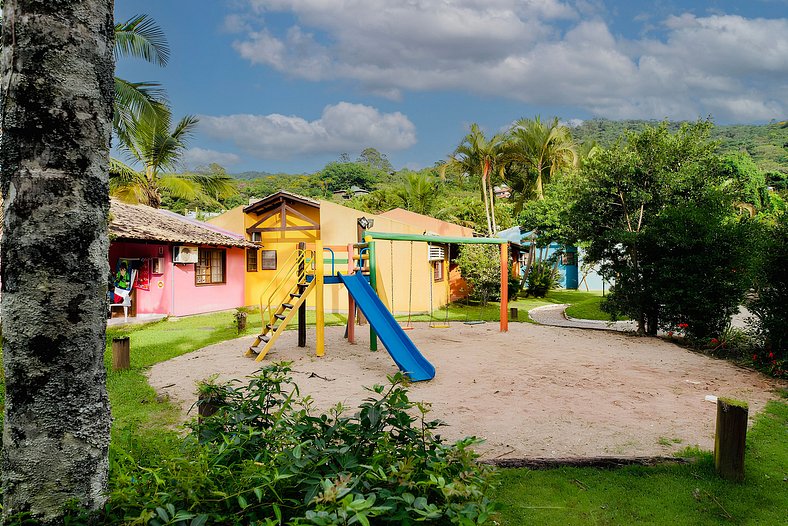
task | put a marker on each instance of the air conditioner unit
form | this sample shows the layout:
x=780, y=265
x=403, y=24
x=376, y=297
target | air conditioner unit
x=436, y=253
x=185, y=254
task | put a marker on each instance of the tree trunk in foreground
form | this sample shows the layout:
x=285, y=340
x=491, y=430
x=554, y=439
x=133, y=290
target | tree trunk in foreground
x=56, y=118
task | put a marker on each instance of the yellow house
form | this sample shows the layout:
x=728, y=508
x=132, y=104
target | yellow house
x=410, y=276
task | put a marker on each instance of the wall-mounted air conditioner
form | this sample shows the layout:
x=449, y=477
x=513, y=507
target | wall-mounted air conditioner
x=185, y=254
x=436, y=252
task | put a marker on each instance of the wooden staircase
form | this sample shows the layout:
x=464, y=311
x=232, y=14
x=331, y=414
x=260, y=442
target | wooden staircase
x=280, y=319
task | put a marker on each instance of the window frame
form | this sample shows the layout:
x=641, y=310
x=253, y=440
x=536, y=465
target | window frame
x=252, y=259
x=209, y=273
x=438, y=264
x=262, y=265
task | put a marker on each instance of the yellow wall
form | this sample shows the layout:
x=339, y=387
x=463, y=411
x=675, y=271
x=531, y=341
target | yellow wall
x=410, y=282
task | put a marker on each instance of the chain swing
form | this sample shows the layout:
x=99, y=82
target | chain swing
x=408, y=325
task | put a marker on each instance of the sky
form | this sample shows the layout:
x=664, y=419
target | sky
x=290, y=85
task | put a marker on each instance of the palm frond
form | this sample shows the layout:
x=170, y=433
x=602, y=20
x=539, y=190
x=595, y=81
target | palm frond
x=141, y=37
x=136, y=102
x=180, y=187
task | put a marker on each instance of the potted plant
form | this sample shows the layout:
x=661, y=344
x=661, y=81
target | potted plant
x=240, y=316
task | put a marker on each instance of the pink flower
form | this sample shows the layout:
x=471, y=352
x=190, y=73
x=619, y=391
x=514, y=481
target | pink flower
x=771, y=355
x=754, y=357
x=715, y=341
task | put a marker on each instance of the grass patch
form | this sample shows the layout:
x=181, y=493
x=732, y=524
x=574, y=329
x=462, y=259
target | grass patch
x=669, y=495
x=464, y=311
x=588, y=309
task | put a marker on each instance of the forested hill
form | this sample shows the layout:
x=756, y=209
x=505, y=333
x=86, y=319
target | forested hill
x=767, y=144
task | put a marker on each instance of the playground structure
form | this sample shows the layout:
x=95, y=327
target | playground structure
x=304, y=272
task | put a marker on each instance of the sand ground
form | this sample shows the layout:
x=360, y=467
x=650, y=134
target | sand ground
x=532, y=392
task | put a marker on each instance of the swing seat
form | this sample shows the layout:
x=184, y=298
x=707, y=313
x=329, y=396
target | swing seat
x=475, y=322
x=441, y=326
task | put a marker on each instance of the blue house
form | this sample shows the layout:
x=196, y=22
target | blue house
x=570, y=260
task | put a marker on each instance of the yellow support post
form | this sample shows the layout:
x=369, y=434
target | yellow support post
x=320, y=322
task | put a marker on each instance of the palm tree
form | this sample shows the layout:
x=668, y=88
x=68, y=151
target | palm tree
x=138, y=37
x=541, y=149
x=158, y=150
x=419, y=192
x=478, y=156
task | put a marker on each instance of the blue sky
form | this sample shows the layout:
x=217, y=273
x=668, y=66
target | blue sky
x=288, y=85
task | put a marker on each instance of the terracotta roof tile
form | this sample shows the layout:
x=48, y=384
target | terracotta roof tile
x=143, y=223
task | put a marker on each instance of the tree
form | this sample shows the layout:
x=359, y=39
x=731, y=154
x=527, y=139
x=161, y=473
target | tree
x=480, y=157
x=341, y=176
x=158, y=149
x=375, y=160
x=655, y=216
x=541, y=149
x=420, y=192
x=54, y=151
x=138, y=37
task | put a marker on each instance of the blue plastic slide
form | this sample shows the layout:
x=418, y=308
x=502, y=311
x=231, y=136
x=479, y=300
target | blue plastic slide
x=400, y=347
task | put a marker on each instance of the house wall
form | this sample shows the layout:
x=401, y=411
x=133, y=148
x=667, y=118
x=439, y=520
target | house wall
x=174, y=292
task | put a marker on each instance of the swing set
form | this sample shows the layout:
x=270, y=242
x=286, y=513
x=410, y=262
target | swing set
x=438, y=321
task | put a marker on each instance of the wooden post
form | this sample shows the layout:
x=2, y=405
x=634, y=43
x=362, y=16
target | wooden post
x=206, y=406
x=513, y=314
x=320, y=313
x=121, y=354
x=730, y=438
x=302, y=309
x=504, y=287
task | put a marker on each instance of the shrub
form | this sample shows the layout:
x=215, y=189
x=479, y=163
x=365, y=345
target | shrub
x=769, y=305
x=265, y=458
x=542, y=278
x=480, y=267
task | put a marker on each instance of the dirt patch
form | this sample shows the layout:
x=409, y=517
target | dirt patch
x=534, y=391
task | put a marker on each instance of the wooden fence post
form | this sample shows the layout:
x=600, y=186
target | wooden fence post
x=121, y=354
x=729, y=439
x=513, y=314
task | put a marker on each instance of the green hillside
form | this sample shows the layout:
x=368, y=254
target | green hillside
x=767, y=144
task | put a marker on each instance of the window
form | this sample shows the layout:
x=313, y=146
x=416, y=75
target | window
x=251, y=260
x=210, y=267
x=437, y=270
x=268, y=260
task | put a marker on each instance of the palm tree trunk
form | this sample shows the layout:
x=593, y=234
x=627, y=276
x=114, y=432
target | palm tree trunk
x=492, y=206
x=54, y=153
x=486, y=204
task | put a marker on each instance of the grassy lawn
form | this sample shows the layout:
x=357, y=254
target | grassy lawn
x=665, y=495
x=588, y=309
x=461, y=312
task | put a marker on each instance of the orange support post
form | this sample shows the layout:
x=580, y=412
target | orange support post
x=504, y=287
x=351, y=303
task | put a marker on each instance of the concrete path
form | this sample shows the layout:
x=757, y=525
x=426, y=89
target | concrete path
x=555, y=316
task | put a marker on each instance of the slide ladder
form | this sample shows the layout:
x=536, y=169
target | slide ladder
x=401, y=348
x=276, y=315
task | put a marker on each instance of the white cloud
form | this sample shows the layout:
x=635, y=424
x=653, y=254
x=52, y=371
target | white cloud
x=341, y=127
x=194, y=157
x=535, y=51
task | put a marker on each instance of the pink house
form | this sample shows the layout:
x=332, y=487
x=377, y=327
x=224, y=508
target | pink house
x=179, y=266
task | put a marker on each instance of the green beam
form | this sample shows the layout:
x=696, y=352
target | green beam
x=391, y=236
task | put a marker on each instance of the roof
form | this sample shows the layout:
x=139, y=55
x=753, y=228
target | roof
x=427, y=223
x=273, y=200
x=143, y=223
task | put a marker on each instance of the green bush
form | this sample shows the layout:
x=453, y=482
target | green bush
x=769, y=305
x=543, y=277
x=265, y=458
x=480, y=266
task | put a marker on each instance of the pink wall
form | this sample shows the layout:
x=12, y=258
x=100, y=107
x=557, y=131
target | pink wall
x=185, y=298
x=193, y=299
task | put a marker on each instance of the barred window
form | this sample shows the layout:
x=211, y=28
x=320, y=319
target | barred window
x=437, y=270
x=210, y=268
x=251, y=260
x=268, y=260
